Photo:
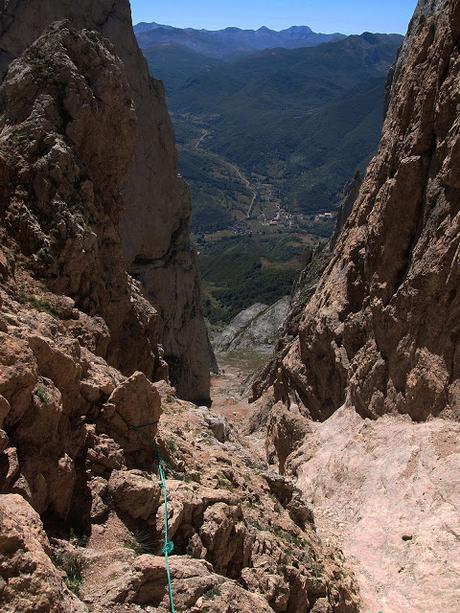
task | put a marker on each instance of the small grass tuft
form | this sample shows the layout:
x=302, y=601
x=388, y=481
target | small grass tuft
x=39, y=305
x=140, y=543
x=72, y=565
x=284, y=535
x=289, y=537
x=171, y=445
x=214, y=591
x=178, y=476
x=40, y=392
x=225, y=483
x=206, y=438
x=43, y=307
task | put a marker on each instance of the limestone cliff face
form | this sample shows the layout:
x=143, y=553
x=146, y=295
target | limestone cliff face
x=348, y=198
x=154, y=221
x=64, y=106
x=302, y=291
x=67, y=304
x=382, y=329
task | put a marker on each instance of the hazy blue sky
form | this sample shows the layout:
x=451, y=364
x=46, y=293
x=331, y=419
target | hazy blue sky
x=347, y=16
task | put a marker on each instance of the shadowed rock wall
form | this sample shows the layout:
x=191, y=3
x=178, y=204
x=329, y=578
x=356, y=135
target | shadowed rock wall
x=154, y=221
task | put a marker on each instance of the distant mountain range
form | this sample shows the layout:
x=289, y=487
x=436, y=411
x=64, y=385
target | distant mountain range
x=230, y=42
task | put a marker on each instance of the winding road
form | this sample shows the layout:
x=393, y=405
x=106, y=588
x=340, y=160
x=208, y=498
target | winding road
x=204, y=134
x=234, y=168
x=248, y=184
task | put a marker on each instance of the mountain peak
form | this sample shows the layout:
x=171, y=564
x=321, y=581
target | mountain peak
x=299, y=30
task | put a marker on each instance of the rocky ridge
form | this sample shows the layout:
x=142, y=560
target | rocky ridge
x=154, y=222
x=230, y=43
x=381, y=330
x=85, y=406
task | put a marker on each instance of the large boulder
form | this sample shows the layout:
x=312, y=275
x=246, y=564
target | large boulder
x=132, y=412
x=29, y=581
x=134, y=493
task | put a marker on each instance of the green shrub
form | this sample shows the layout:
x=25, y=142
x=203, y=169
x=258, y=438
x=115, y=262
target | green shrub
x=214, y=591
x=43, y=307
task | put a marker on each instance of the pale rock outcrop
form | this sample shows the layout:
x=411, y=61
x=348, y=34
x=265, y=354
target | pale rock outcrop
x=238, y=323
x=219, y=426
x=257, y=328
x=389, y=492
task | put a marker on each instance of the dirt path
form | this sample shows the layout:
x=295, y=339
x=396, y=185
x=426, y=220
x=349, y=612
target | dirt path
x=204, y=135
x=229, y=392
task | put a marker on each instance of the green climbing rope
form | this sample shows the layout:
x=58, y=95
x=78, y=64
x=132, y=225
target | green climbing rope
x=168, y=546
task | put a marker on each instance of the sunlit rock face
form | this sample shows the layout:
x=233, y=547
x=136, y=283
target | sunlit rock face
x=362, y=406
x=381, y=331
